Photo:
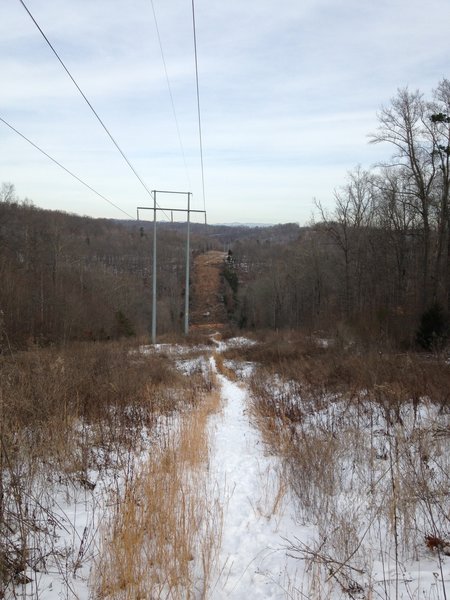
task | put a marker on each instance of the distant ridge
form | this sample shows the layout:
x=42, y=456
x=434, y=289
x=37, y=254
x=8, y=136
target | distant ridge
x=237, y=224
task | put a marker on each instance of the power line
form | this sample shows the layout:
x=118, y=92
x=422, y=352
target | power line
x=170, y=92
x=86, y=100
x=65, y=169
x=198, y=104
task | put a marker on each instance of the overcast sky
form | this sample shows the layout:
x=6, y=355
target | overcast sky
x=289, y=91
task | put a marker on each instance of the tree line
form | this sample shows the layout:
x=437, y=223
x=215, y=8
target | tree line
x=66, y=277
x=376, y=265
x=379, y=262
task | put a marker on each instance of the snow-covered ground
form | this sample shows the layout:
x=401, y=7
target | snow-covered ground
x=258, y=519
x=261, y=521
x=69, y=514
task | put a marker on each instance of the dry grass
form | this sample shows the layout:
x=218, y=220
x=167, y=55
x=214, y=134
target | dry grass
x=350, y=369
x=222, y=368
x=366, y=448
x=66, y=413
x=162, y=541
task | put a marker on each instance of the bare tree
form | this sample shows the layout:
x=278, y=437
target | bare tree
x=439, y=132
x=347, y=227
x=8, y=193
x=404, y=125
x=397, y=221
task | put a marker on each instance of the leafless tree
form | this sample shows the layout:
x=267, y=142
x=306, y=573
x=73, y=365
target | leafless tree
x=7, y=192
x=347, y=226
x=439, y=133
x=404, y=125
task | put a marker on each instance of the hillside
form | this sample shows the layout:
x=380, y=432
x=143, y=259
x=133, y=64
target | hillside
x=68, y=277
x=208, y=311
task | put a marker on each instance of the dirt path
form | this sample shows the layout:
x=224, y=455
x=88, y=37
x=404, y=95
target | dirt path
x=208, y=311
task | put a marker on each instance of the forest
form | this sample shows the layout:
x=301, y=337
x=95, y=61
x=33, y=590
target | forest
x=376, y=266
x=67, y=277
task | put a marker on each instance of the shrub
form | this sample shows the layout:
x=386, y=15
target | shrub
x=123, y=325
x=433, y=329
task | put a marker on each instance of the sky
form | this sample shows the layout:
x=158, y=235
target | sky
x=289, y=92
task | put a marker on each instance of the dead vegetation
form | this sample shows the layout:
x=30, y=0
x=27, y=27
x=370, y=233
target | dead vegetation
x=74, y=420
x=208, y=310
x=162, y=541
x=365, y=443
x=222, y=367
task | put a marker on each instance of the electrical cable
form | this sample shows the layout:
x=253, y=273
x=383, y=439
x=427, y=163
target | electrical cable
x=87, y=102
x=198, y=105
x=170, y=93
x=65, y=169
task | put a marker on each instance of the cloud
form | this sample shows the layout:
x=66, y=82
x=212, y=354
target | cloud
x=288, y=95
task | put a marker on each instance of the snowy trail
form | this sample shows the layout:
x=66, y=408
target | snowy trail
x=252, y=560
x=242, y=484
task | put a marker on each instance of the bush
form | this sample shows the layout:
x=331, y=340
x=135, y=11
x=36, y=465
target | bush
x=433, y=329
x=231, y=276
x=124, y=328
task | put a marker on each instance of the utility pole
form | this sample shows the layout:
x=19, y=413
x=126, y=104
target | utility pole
x=187, y=210
x=154, y=272
x=188, y=250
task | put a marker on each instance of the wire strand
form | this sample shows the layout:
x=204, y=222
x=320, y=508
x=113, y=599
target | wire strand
x=169, y=87
x=65, y=169
x=198, y=104
x=87, y=101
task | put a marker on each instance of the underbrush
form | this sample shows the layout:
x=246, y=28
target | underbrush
x=72, y=421
x=365, y=443
x=164, y=537
x=325, y=366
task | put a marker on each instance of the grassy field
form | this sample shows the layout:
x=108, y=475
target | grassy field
x=76, y=425
x=365, y=443
x=105, y=458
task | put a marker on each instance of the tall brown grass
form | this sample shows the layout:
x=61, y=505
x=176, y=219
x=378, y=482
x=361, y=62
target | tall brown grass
x=162, y=541
x=334, y=369
x=65, y=413
x=365, y=443
x=222, y=367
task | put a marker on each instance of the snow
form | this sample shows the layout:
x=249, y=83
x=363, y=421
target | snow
x=235, y=342
x=71, y=516
x=358, y=504
x=173, y=349
x=253, y=557
x=261, y=522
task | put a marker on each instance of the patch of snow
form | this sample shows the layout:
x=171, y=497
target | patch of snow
x=253, y=560
x=242, y=369
x=324, y=342
x=173, y=349
x=236, y=342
